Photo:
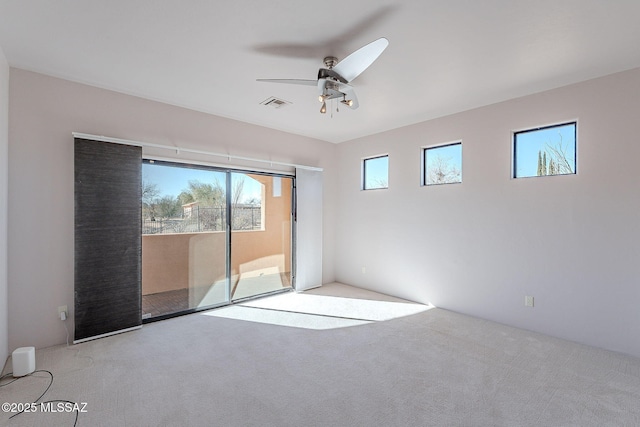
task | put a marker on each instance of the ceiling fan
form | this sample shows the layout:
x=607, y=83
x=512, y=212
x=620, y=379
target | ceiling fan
x=333, y=82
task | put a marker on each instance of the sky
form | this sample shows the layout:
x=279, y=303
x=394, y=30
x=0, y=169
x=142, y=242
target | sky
x=376, y=172
x=528, y=144
x=173, y=180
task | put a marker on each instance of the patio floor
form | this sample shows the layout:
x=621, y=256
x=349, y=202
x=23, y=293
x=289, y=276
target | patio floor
x=162, y=303
x=154, y=305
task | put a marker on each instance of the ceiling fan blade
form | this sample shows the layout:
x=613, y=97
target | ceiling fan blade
x=332, y=45
x=353, y=65
x=290, y=81
x=292, y=50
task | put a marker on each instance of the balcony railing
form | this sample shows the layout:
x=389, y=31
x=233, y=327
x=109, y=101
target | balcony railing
x=206, y=219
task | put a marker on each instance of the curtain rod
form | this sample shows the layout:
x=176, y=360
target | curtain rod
x=178, y=150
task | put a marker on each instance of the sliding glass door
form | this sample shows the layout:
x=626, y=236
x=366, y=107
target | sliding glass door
x=261, y=234
x=210, y=236
x=184, y=239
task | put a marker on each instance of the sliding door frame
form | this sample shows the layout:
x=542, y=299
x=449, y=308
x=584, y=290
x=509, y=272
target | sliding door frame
x=228, y=171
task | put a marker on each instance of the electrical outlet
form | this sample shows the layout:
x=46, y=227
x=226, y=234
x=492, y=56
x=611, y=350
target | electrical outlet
x=63, y=309
x=528, y=301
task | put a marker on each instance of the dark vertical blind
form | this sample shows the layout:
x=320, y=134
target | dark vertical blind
x=108, y=242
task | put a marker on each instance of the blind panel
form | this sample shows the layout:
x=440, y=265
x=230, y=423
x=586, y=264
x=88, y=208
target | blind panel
x=308, y=229
x=108, y=243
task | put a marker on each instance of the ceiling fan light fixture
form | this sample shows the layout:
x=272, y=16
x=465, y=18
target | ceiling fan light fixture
x=323, y=109
x=321, y=98
x=348, y=102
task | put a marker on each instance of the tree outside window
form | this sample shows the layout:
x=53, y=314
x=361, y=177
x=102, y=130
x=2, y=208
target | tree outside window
x=443, y=164
x=545, y=151
x=375, y=173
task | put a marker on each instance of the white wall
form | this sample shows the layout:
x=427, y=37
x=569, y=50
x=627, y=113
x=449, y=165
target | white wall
x=572, y=242
x=4, y=175
x=44, y=112
x=478, y=247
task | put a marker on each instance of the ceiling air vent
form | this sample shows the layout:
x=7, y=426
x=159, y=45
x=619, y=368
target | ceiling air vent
x=275, y=102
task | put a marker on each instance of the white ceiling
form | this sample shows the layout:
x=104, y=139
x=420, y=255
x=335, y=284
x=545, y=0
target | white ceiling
x=444, y=56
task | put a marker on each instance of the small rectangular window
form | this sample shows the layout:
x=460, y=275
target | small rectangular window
x=375, y=173
x=549, y=150
x=442, y=164
x=277, y=186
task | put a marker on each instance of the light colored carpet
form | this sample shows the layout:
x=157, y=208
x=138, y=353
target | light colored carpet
x=433, y=368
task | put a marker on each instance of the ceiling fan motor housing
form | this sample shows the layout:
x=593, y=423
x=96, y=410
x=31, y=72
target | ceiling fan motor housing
x=330, y=61
x=327, y=73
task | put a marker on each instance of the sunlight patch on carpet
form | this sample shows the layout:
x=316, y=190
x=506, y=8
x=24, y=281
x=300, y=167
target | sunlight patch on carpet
x=351, y=308
x=317, y=311
x=283, y=318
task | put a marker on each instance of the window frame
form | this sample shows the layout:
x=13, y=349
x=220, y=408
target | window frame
x=514, y=150
x=423, y=152
x=363, y=173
